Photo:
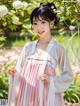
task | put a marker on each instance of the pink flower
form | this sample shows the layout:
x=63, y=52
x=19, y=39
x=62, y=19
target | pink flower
x=76, y=69
x=2, y=59
x=10, y=54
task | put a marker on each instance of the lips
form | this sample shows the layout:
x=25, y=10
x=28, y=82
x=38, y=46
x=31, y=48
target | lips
x=41, y=32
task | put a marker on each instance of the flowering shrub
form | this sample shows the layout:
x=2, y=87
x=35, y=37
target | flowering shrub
x=72, y=27
x=73, y=93
x=3, y=85
x=6, y=61
x=17, y=13
x=13, y=19
x=3, y=11
x=17, y=5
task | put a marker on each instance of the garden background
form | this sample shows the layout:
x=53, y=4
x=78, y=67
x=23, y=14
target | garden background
x=15, y=31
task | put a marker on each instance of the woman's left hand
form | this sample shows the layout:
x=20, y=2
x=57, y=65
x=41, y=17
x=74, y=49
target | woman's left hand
x=44, y=78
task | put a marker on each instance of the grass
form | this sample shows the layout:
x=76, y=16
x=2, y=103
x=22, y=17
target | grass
x=64, y=40
x=72, y=46
x=15, y=42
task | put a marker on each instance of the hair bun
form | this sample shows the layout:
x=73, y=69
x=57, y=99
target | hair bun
x=49, y=5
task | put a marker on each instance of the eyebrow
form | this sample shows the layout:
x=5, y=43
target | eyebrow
x=38, y=20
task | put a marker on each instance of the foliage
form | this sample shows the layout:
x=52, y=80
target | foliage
x=2, y=39
x=6, y=61
x=73, y=93
x=7, y=3
x=14, y=20
x=67, y=11
x=3, y=85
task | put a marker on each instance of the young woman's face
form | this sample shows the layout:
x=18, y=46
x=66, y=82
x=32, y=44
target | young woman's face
x=41, y=27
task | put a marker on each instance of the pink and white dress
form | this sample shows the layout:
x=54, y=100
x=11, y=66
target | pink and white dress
x=28, y=89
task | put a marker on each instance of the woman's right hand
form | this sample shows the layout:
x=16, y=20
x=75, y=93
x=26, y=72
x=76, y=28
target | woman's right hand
x=11, y=71
x=44, y=78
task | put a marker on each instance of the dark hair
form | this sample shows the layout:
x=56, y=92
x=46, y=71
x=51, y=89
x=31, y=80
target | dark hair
x=46, y=11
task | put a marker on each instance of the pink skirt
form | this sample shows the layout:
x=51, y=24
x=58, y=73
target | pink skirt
x=32, y=93
x=29, y=90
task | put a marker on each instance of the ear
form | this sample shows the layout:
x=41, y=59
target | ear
x=51, y=24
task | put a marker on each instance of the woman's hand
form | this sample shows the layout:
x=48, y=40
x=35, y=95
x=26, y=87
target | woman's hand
x=44, y=78
x=12, y=71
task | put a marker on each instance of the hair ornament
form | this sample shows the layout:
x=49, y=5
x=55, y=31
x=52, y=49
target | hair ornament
x=48, y=5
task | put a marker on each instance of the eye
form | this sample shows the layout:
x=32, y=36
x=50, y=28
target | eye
x=34, y=23
x=43, y=22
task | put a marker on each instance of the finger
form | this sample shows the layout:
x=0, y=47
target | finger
x=11, y=72
x=44, y=78
x=46, y=82
x=44, y=75
x=11, y=68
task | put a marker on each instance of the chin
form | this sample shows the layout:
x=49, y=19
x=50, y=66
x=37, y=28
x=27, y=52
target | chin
x=42, y=35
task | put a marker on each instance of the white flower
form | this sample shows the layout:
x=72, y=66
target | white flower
x=25, y=4
x=78, y=0
x=71, y=27
x=15, y=20
x=17, y=4
x=62, y=8
x=3, y=11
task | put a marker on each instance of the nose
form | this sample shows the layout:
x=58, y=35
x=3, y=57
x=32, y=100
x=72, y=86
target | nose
x=39, y=27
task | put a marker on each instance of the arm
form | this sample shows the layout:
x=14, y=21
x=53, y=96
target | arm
x=63, y=81
x=21, y=58
x=13, y=70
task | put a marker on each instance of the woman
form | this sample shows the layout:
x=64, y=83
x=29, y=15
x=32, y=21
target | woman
x=34, y=81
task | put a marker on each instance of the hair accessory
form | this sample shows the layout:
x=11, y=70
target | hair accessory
x=48, y=5
x=53, y=9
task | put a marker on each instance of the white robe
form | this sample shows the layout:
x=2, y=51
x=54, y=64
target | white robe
x=58, y=84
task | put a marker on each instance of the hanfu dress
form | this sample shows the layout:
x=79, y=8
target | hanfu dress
x=26, y=87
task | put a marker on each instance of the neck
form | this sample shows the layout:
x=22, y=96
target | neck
x=45, y=40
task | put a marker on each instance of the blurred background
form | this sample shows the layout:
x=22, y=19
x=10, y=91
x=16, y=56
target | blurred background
x=15, y=31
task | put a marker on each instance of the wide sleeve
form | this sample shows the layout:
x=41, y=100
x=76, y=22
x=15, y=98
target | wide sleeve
x=21, y=58
x=14, y=80
x=18, y=66
x=63, y=81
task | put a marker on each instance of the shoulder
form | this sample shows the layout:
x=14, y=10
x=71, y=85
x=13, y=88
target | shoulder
x=28, y=47
x=59, y=48
x=29, y=44
x=58, y=45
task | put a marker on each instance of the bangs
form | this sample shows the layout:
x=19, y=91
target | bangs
x=39, y=15
x=43, y=13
